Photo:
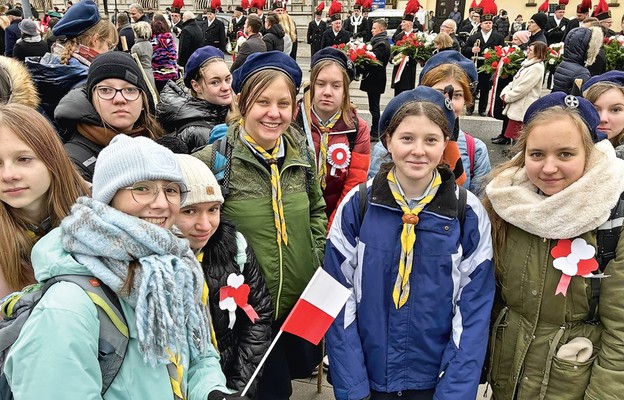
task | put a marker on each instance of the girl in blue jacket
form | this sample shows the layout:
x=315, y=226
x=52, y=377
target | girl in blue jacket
x=418, y=264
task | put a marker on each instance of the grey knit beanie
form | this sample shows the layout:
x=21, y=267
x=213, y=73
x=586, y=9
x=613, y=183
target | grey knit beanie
x=128, y=160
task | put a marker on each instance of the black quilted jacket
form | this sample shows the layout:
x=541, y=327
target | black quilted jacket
x=190, y=118
x=242, y=347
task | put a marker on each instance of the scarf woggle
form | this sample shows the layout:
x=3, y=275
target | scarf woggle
x=166, y=288
x=401, y=290
x=324, y=144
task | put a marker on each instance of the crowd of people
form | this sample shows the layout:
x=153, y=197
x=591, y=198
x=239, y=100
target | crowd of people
x=171, y=207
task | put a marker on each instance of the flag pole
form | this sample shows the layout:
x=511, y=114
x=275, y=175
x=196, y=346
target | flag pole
x=266, y=355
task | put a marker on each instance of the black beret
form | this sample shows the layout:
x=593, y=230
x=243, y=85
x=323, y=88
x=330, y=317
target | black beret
x=329, y=53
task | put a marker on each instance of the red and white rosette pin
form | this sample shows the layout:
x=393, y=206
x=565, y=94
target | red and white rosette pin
x=573, y=258
x=234, y=295
x=338, y=156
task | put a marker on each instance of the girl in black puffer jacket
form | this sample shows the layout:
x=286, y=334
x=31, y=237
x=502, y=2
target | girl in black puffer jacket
x=240, y=304
x=192, y=116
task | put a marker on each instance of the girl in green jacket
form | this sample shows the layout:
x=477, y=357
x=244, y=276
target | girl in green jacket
x=550, y=338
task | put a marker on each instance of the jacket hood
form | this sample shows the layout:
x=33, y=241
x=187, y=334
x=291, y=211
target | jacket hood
x=277, y=30
x=75, y=107
x=21, y=85
x=177, y=108
x=50, y=259
x=582, y=45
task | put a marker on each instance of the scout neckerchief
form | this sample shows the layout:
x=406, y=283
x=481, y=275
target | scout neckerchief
x=401, y=289
x=324, y=128
x=276, y=188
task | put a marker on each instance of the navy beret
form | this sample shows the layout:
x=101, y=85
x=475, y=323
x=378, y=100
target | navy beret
x=78, y=18
x=451, y=57
x=329, y=53
x=616, y=77
x=257, y=62
x=421, y=93
x=197, y=59
x=584, y=107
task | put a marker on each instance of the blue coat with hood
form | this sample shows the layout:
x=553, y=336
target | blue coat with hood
x=582, y=46
x=438, y=338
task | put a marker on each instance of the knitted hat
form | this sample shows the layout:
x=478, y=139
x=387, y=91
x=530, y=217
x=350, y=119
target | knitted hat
x=201, y=183
x=615, y=77
x=522, y=36
x=540, y=19
x=28, y=27
x=329, y=53
x=421, y=93
x=579, y=349
x=451, y=57
x=199, y=57
x=257, y=62
x=127, y=160
x=15, y=12
x=120, y=65
x=585, y=109
x=78, y=18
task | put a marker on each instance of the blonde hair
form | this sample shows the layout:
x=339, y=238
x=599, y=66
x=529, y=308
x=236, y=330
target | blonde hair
x=346, y=107
x=443, y=41
x=142, y=30
x=288, y=25
x=556, y=113
x=66, y=185
x=104, y=30
x=594, y=92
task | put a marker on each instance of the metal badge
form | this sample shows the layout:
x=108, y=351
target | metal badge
x=571, y=101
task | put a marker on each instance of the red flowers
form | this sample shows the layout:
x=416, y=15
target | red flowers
x=495, y=64
x=487, y=56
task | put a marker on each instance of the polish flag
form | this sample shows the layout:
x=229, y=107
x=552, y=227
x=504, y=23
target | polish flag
x=316, y=309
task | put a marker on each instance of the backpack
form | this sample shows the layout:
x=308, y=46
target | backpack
x=113, y=338
x=470, y=149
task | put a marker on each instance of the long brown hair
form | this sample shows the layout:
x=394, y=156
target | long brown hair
x=449, y=71
x=104, y=29
x=346, y=105
x=594, y=92
x=500, y=226
x=65, y=187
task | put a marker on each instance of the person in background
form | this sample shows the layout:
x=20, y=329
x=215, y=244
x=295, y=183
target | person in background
x=606, y=93
x=137, y=13
x=12, y=32
x=274, y=37
x=316, y=28
x=176, y=21
x=536, y=26
x=253, y=44
x=582, y=46
x=501, y=25
x=214, y=30
x=407, y=80
x=336, y=35
x=125, y=30
x=517, y=25
x=436, y=333
x=290, y=29
x=431, y=22
x=556, y=26
x=269, y=156
x=357, y=25
x=165, y=54
x=582, y=12
x=4, y=23
x=455, y=15
x=31, y=44
x=243, y=327
x=340, y=137
x=193, y=117
x=546, y=317
x=115, y=100
x=191, y=37
x=39, y=185
x=143, y=49
x=442, y=42
x=449, y=26
x=48, y=36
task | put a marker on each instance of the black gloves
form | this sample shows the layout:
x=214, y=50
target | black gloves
x=219, y=395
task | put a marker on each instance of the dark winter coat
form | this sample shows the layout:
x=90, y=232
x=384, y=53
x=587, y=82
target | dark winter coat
x=315, y=35
x=23, y=49
x=374, y=79
x=191, y=39
x=241, y=347
x=554, y=33
x=274, y=38
x=329, y=39
x=11, y=35
x=408, y=77
x=127, y=32
x=253, y=44
x=538, y=37
x=501, y=26
x=236, y=27
x=214, y=35
x=177, y=111
x=573, y=65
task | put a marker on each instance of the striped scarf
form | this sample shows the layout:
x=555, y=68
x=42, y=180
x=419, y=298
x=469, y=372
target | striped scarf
x=401, y=290
x=276, y=188
x=323, y=146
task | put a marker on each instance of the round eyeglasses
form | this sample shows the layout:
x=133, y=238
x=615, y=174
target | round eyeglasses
x=144, y=192
x=109, y=93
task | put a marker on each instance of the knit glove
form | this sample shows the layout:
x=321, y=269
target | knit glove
x=219, y=395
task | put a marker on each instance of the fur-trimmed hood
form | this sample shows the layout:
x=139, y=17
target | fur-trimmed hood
x=20, y=83
x=581, y=207
x=582, y=45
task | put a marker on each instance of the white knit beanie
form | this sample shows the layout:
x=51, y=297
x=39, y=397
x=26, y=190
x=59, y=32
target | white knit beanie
x=201, y=183
x=128, y=160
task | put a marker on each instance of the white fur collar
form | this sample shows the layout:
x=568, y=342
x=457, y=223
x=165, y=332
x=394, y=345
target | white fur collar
x=581, y=207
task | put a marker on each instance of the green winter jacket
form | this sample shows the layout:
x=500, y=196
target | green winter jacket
x=248, y=204
x=531, y=322
x=55, y=356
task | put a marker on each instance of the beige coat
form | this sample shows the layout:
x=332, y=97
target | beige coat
x=525, y=88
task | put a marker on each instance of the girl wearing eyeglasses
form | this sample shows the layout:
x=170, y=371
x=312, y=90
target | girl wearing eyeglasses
x=115, y=100
x=38, y=185
x=121, y=238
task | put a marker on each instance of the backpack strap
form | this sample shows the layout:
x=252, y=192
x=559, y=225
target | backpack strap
x=363, y=200
x=462, y=200
x=223, y=148
x=83, y=152
x=470, y=149
x=352, y=136
x=607, y=238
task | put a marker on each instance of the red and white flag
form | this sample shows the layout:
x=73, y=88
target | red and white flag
x=316, y=309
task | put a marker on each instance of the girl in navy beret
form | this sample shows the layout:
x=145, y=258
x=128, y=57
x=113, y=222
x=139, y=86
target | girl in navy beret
x=274, y=198
x=558, y=326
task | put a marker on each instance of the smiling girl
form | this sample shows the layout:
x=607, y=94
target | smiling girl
x=275, y=201
x=548, y=206
x=421, y=274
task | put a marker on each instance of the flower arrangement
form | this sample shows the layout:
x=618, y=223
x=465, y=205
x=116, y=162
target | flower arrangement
x=417, y=47
x=614, y=51
x=554, y=55
x=512, y=61
x=491, y=58
x=359, y=53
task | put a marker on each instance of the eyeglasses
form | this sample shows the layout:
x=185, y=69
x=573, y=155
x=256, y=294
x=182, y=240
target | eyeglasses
x=144, y=192
x=109, y=93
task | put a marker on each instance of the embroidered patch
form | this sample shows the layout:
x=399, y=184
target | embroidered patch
x=209, y=190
